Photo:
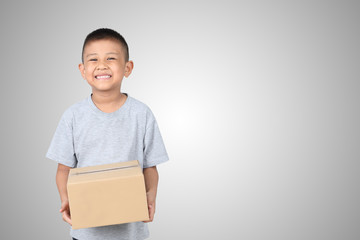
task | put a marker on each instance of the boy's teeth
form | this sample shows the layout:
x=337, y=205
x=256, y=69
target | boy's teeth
x=104, y=76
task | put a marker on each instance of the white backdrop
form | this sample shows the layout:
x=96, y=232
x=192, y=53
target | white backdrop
x=257, y=102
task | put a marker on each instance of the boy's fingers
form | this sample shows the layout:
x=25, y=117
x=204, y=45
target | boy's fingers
x=151, y=213
x=66, y=217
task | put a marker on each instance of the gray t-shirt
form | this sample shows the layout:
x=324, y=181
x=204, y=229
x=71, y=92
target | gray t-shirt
x=86, y=136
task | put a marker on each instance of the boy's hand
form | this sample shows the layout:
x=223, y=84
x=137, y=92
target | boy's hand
x=151, y=206
x=65, y=210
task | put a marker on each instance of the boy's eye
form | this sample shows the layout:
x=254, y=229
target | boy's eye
x=93, y=59
x=111, y=58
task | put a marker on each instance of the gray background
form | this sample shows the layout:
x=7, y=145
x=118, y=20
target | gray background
x=257, y=101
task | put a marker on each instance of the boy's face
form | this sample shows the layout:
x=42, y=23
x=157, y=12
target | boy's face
x=104, y=65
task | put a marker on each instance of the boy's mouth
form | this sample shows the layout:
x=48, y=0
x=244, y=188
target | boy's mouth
x=105, y=76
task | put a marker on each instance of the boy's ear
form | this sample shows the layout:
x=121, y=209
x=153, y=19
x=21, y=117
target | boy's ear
x=129, y=66
x=82, y=70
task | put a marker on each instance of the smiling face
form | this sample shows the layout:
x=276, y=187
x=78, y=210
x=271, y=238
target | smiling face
x=104, y=65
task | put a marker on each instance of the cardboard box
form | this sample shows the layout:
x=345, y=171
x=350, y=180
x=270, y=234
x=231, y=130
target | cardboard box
x=107, y=194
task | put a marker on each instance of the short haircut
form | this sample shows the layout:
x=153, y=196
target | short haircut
x=106, y=33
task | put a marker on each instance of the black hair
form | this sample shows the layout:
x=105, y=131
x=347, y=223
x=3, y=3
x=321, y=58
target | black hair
x=106, y=33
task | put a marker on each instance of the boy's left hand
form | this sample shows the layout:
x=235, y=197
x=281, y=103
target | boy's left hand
x=151, y=206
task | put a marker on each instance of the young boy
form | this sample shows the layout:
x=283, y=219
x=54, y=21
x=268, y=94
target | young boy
x=107, y=127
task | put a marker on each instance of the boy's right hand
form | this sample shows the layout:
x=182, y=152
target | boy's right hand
x=65, y=210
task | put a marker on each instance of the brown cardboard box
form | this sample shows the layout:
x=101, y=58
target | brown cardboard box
x=107, y=194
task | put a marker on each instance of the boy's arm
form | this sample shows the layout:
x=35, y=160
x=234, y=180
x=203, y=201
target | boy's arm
x=151, y=182
x=61, y=182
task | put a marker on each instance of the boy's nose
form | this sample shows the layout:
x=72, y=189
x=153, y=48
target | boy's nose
x=102, y=66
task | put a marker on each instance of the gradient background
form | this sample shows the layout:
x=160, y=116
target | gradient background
x=257, y=102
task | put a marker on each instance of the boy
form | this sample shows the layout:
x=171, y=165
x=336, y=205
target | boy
x=107, y=127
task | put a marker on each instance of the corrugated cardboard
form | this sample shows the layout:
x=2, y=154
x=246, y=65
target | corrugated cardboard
x=107, y=194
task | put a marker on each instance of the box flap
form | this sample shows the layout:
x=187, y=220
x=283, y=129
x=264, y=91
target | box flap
x=106, y=171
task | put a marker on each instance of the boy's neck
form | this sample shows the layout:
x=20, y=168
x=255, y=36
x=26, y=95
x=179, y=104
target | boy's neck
x=108, y=102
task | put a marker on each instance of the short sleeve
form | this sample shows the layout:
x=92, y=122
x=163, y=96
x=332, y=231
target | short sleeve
x=154, y=148
x=61, y=147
